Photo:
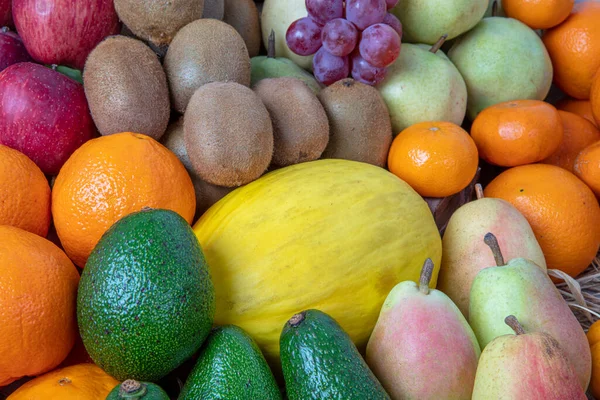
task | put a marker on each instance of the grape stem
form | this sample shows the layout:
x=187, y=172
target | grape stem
x=438, y=44
x=271, y=45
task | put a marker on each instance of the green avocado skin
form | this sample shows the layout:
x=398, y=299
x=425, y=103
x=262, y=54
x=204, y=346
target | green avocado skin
x=320, y=361
x=153, y=392
x=146, y=301
x=230, y=367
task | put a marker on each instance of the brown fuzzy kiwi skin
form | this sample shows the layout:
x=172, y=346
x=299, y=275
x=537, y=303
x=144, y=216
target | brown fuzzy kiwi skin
x=214, y=9
x=206, y=194
x=158, y=21
x=300, y=124
x=243, y=16
x=228, y=134
x=126, y=88
x=204, y=51
x=360, y=128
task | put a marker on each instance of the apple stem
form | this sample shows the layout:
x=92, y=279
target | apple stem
x=515, y=325
x=5, y=29
x=491, y=240
x=271, y=45
x=426, y=273
x=479, y=191
x=439, y=43
x=495, y=8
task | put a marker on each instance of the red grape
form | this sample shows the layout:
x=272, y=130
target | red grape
x=364, y=72
x=339, y=37
x=394, y=22
x=324, y=11
x=380, y=45
x=303, y=36
x=390, y=3
x=364, y=13
x=328, y=68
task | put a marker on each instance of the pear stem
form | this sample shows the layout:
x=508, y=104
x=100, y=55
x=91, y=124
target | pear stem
x=492, y=242
x=271, y=45
x=495, y=8
x=426, y=273
x=479, y=191
x=439, y=43
x=515, y=325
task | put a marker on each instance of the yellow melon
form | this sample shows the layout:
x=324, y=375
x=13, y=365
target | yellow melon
x=334, y=235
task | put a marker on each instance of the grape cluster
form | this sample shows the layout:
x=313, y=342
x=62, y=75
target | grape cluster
x=352, y=37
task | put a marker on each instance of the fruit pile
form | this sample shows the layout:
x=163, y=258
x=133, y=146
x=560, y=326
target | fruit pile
x=299, y=199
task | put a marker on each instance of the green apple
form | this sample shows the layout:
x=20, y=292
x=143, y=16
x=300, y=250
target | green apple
x=501, y=59
x=423, y=86
x=424, y=21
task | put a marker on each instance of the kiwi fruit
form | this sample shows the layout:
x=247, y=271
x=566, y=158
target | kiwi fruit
x=206, y=194
x=158, y=21
x=243, y=16
x=300, y=125
x=214, y=9
x=228, y=134
x=126, y=88
x=360, y=128
x=204, y=51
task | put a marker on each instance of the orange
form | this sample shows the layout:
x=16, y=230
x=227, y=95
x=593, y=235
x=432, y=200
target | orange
x=538, y=14
x=574, y=47
x=38, y=293
x=583, y=108
x=437, y=159
x=587, y=167
x=517, y=132
x=77, y=382
x=24, y=193
x=595, y=381
x=110, y=177
x=578, y=134
x=595, y=98
x=562, y=211
x=593, y=334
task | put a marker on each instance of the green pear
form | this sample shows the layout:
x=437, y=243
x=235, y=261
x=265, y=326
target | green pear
x=270, y=66
x=465, y=254
x=501, y=59
x=525, y=366
x=424, y=21
x=423, y=85
x=422, y=347
x=277, y=16
x=523, y=289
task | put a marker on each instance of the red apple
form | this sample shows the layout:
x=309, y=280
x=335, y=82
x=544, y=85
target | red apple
x=12, y=50
x=43, y=114
x=5, y=13
x=64, y=31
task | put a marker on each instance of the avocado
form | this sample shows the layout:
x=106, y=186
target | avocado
x=146, y=301
x=134, y=390
x=230, y=366
x=320, y=361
